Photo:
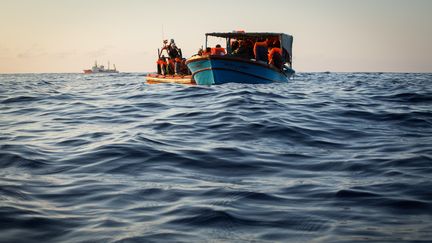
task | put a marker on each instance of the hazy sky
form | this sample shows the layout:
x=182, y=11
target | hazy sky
x=329, y=35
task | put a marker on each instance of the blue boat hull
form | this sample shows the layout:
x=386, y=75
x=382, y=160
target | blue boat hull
x=225, y=69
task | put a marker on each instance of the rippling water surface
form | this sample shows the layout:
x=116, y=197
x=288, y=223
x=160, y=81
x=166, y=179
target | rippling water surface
x=327, y=157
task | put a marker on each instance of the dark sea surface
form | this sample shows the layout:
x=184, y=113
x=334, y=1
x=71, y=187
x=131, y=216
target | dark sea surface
x=326, y=157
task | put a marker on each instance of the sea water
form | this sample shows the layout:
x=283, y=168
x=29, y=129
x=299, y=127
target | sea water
x=326, y=157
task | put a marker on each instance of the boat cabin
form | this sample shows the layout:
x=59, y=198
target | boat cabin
x=245, y=45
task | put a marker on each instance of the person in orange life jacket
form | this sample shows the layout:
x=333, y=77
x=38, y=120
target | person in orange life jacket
x=261, y=50
x=207, y=51
x=218, y=50
x=275, y=55
x=161, y=65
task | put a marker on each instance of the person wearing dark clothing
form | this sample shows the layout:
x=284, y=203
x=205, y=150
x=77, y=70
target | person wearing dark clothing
x=234, y=46
x=242, y=50
x=173, y=50
x=249, y=46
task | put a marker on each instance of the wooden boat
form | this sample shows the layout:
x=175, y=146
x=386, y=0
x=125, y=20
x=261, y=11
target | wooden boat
x=154, y=78
x=220, y=69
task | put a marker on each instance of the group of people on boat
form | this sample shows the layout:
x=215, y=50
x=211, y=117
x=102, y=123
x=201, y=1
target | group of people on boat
x=217, y=50
x=262, y=50
x=173, y=63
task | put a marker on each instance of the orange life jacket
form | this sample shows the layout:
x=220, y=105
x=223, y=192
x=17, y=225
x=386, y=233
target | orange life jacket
x=161, y=62
x=218, y=51
x=272, y=52
x=275, y=57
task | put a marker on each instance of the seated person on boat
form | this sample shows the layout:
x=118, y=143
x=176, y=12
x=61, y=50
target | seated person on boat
x=275, y=55
x=243, y=49
x=218, y=50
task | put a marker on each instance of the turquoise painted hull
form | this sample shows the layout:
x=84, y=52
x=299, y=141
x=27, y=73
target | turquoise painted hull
x=211, y=70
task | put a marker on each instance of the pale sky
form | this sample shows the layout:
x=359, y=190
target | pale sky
x=329, y=35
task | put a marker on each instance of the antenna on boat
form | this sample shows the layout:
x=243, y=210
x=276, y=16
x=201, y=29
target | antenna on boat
x=206, y=41
x=163, y=33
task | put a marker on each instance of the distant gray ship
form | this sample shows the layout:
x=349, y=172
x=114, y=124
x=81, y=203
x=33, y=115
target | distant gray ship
x=101, y=69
